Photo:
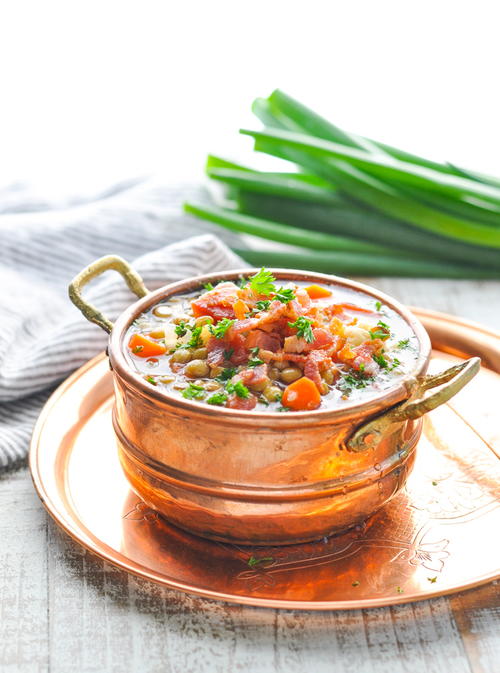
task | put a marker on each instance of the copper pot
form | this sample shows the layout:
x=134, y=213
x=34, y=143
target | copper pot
x=264, y=478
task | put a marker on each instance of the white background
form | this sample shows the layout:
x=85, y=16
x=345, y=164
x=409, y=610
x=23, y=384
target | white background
x=92, y=92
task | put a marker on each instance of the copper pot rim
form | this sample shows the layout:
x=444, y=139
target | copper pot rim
x=377, y=403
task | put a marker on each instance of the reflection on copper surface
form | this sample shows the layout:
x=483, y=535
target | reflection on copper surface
x=436, y=536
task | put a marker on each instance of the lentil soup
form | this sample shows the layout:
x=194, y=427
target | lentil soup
x=261, y=345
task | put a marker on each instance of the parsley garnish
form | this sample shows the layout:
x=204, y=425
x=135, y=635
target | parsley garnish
x=432, y=579
x=226, y=374
x=262, y=305
x=303, y=327
x=262, y=282
x=195, y=339
x=378, y=305
x=255, y=361
x=381, y=361
x=228, y=353
x=252, y=561
x=242, y=282
x=150, y=379
x=238, y=388
x=181, y=328
x=194, y=392
x=137, y=349
x=404, y=343
x=399, y=590
x=219, y=331
x=282, y=409
x=385, y=364
x=383, y=333
x=284, y=295
x=218, y=399
x=208, y=286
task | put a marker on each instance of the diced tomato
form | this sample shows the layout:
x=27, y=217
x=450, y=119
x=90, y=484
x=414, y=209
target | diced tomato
x=301, y=395
x=144, y=347
x=317, y=292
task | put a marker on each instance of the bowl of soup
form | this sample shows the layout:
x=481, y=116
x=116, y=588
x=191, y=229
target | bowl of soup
x=267, y=406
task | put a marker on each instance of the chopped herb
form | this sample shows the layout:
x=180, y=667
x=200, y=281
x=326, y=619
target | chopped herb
x=385, y=364
x=263, y=400
x=381, y=361
x=432, y=580
x=284, y=295
x=242, y=282
x=404, y=343
x=361, y=367
x=304, y=328
x=262, y=305
x=384, y=325
x=208, y=286
x=219, y=331
x=378, y=305
x=226, y=374
x=228, y=353
x=150, y=379
x=255, y=362
x=282, y=409
x=354, y=379
x=194, y=392
x=356, y=583
x=434, y=483
x=252, y=561
x=238, y=388
x=137, y=349
x=195, y=339
x=218, y=399
x=181, y=328
x=262, y=282
x=399, y=590
x=381, y=332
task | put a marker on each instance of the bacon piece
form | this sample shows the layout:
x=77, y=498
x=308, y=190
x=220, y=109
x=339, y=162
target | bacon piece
x=235, y=402
x=267, y=341
x=253, y=376
x=217, y=303
x=216, y=352
x=316, y=362
x=232, y=344
x=322, y=339
x=361, y=357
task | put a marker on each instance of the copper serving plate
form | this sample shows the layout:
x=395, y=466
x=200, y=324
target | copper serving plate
x=247, y=477
x=437, y=536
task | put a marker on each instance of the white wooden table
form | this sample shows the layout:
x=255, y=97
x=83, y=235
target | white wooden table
x=62, y=610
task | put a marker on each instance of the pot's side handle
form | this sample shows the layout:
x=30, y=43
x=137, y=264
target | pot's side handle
x=110, y=262
x=451, y=381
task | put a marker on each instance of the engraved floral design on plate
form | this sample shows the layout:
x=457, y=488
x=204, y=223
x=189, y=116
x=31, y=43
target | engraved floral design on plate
x=438, y=535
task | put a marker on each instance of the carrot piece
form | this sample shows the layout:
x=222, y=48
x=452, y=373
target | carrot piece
x=317, y=292
x=240, y=309
x=339, y=308
x=301, y=395
x=145, y=348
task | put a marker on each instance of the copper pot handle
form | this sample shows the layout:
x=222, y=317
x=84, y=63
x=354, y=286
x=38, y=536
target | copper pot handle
x=110, y=262
x=451, y=381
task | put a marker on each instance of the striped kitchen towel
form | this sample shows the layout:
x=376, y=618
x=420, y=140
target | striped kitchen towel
x=43, y=337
